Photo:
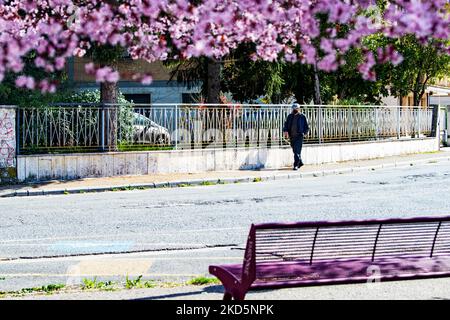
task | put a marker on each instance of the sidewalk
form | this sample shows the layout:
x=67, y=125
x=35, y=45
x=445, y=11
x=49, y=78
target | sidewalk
x=215, y=177
x=430, y=289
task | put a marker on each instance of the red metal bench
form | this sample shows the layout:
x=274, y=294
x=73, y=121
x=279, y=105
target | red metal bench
x=315, y=253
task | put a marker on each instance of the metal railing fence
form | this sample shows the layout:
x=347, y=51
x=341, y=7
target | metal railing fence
x=69, y=128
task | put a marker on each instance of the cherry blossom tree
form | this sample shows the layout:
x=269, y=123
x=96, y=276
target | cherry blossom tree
x=154, y=30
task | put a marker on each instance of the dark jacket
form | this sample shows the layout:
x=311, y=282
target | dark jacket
x=302, y=124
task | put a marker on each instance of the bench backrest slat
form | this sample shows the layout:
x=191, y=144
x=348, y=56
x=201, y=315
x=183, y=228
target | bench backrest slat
x=311, y=242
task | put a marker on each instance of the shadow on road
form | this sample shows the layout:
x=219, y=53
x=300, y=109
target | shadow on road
x=209, y=289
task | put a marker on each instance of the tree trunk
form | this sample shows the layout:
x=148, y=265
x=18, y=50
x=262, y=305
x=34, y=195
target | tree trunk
x=108, y=95
x=317, y=98
x=213, y=82
x=415, y=99
x=434, y=121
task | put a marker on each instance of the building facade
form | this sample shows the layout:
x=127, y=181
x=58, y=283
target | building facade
x=162, y=90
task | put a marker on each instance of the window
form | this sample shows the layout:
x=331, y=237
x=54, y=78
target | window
x=193, y=97
x=144, y=98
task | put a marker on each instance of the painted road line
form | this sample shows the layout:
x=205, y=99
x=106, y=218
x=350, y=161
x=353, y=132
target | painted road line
x=31, y=261
x=49, y=275
x=121, y=235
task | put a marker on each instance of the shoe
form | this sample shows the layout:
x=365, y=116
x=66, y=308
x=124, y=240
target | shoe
x=301, y=165
x=295, y=168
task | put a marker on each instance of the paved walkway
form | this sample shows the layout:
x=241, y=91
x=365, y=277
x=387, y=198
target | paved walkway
x=427, y=289
x=213, y=177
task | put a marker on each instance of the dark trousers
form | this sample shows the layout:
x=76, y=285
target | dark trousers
x=296, y=144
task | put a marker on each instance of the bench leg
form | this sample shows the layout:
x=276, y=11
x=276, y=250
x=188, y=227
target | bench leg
x=239, y=295
x=227, y=296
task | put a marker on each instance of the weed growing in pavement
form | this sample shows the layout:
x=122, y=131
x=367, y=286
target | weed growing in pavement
x=138, y=283
x=208, y=183
x=199, y=281
x=94, y=284
x=182, y=185
x=47, y=289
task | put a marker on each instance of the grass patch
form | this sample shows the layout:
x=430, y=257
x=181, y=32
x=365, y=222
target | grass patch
x=183, y=185
x=131, y=147
x=129, y=188
x=138, y=283
x=200, y=281
x=94, y=284
x=208, y=183
x=89, y=284
x=47, y=289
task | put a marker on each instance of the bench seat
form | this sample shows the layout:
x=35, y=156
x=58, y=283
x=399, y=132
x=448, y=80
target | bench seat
x=305, y=254
x=286, y=274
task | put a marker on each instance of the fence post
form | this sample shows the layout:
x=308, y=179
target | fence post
x=18, y=110
x=350, y=123
x=320, y=125
x=281, y=119
x=377, y=125
x=419, y=121
x=102, y=127
x=176, y=127
x=435, y=121
x=398, y=123
x=234, y=126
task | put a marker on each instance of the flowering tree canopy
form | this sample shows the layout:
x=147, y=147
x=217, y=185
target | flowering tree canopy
x=317, y=32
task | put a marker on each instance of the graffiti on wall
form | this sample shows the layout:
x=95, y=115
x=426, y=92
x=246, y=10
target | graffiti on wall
x=7, y=138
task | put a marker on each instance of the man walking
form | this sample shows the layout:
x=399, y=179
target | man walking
x=295, y=127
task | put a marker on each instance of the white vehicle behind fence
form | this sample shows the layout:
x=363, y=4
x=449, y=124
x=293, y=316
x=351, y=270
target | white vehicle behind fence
x=148, y=132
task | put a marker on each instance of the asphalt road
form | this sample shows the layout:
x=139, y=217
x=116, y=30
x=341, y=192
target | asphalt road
x=42, y=239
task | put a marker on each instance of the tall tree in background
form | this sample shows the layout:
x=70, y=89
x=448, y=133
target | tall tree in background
x=248, y=80
x=107, y=57
x=213, y=81
x=421, y=63
x=200, y=72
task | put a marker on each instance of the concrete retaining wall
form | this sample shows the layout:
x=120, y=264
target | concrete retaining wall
x=7, y=144
x=75, y=166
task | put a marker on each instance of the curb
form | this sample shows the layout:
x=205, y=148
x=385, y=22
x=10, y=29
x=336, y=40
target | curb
x=207, y=182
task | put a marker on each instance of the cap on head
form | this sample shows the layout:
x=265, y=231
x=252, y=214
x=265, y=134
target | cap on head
x=295, y=106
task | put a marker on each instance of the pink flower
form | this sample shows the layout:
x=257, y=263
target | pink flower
x=106, y=74
x=90, y=68
x=25, y=82
x=154, y=30
x=147, y=80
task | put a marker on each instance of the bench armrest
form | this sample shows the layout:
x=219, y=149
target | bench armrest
x=228, y=279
